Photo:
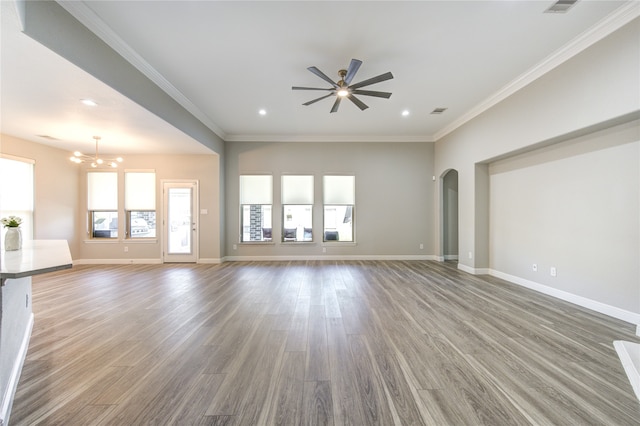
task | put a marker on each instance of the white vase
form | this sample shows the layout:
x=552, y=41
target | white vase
x=13, y=239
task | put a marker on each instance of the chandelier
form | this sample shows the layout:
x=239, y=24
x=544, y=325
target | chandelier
x=95, y=161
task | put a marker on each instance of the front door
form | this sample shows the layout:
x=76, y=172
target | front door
x=180, y=221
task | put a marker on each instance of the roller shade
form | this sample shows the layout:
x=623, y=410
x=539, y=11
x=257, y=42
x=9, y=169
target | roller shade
x=339, y=190
x=297, y=189
x=256, y=189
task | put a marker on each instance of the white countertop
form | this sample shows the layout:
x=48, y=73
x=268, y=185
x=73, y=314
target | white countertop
x=35, y=257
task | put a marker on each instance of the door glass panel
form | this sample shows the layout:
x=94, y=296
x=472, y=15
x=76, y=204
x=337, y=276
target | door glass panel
x=179, y=212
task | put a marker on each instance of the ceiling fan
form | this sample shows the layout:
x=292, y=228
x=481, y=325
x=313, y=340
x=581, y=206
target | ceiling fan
x=344, y=89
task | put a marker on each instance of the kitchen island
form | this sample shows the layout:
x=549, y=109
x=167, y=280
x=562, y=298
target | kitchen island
x=16, y=315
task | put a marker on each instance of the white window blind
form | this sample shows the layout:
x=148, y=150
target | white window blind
x=102, y=191
x=139, y=190
x=16, y=191
x=256, y=189
x=297, y=189
x=339, y=190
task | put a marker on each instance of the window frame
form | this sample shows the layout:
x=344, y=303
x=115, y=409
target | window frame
x=256, y=189
x=92, y=228
x=131, y=202
x=21, y=209
x=297, y=191
x=101, y=206
x=339, y=199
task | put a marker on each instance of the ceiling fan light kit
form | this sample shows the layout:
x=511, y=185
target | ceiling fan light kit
x=344, y=89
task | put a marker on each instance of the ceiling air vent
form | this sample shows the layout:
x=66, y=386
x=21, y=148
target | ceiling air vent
x=438, y=111
x=561, y=6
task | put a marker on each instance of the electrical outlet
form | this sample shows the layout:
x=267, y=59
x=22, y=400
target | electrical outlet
x=535, y=267
x=126, y=249
x=553, y=271
x=27, y=304
x=421, y=246
x=235, y=247
x=470, y=255
x=324, y=249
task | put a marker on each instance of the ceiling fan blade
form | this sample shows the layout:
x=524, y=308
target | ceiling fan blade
x=373, y=80
x=353, y=69
x=336, y=104
x=309, y=88
x=358, y=102
x=322, y=75
x=386, y=95
x=316, y=100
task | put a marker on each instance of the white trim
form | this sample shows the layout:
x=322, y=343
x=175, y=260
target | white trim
x=638, y=330
x=327, y=257
x=616, y=20
x=438, y=258
x=450, y=257
x=117, y=261
x=331, y=138
x=7, y=398
x=612, y=311
x=628, y=352
x=473, y=271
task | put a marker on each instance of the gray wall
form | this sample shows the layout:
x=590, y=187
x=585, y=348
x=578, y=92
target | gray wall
x=575, y=207
x=394, y=196
x=595, y=90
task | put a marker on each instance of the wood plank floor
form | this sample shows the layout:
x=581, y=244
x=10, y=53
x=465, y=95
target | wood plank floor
x=314, y=343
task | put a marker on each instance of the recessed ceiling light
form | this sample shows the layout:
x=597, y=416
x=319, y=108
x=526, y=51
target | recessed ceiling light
x=262, y=112
x=88, y=102
x=405, y=113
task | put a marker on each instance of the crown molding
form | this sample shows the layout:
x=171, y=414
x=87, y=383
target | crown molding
x=330, y=138
x=88, y=18
x=614, y=21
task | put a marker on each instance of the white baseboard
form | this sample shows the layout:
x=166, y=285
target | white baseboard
x=117, y=261
x=325, y=257
x=450, y=257
x=629, y=354
x=612, y=311
x=12, y=385
x=473, y=271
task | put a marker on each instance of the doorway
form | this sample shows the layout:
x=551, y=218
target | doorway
x=450, y=216
x=180, y=221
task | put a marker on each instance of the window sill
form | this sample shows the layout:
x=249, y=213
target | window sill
x=257, y=243
x=117, y=240
x=297, y=243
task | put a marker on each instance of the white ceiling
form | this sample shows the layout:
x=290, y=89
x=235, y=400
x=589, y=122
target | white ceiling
x=224, y=61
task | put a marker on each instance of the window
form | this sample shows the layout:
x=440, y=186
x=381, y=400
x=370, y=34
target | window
x=140, y=203
x=16, y=192
x=256, y=202
x=102, y=200
x=339, y=200
x=297, y=208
